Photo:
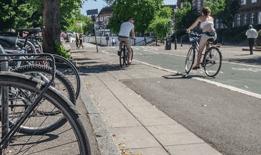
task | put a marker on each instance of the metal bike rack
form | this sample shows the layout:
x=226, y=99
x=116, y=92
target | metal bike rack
x=4, y=98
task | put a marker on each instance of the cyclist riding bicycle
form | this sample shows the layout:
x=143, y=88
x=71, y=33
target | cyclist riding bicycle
x=207, y=26
x=126, y=31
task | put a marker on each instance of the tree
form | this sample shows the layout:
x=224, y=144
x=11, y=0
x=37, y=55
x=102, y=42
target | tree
x=216, y=6
x=184, y=17
x=56, y=15
x=231, y=9
x=18, y=14
x=161, y=24
x=143, y=12
x=81, y=24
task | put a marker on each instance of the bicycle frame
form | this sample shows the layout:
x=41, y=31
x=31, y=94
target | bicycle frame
x=6, y=137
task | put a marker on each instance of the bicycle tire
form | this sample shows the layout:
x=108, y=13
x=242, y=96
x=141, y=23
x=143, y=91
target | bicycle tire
x=210, y=73
x=188, y=66
x=67, y=85
x=74, y=71
x=29, y=46
x=76, y=129
x=121, y=58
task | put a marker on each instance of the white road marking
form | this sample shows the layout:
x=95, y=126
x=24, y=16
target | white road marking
x=232, y=88
x=249, y=69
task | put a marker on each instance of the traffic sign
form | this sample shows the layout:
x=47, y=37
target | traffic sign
x=92, y=12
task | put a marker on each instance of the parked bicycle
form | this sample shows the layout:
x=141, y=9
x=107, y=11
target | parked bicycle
x=212, y=57
x=33, y=95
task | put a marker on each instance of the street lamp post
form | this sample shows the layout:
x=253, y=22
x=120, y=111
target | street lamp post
x=94, y=30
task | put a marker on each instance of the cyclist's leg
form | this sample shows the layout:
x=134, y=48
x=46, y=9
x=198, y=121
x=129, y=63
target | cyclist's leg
x=130, y=51
x=202, y=45
x=120, y=45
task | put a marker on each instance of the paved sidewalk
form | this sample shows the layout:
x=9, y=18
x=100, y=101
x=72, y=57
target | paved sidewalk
x=133, y=124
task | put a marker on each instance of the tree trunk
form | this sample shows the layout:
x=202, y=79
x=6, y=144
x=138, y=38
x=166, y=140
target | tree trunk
x=52, y=28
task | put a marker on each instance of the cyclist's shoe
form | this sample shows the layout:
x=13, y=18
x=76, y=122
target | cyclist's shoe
x=129, y=62
x=195, y=67
x=119, y=53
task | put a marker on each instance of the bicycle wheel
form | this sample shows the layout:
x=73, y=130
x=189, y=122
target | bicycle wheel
x=30, y=48
x=212, y=61
x=190, y=58
x=69, y=139
x=61, y=83
x=44, y=73
x=122, y=58
x=70, y=71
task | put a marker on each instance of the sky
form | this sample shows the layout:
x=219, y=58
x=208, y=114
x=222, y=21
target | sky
x=99, y=4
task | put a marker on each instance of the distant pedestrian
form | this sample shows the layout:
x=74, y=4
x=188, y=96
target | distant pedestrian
x=80, y=40
x=113, y=42
x=251, y=34
x=77, y=40
x=107, y=39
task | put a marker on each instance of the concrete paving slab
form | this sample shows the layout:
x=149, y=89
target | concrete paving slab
x=149, y=151
x=178, y=138
x=134, y=137
x=193, y=149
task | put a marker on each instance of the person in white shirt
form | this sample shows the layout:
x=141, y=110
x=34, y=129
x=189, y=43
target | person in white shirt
x=126, y=31
x=251, y=34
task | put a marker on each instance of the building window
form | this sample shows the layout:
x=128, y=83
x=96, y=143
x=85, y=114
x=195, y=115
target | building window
x=243, y=2
x=253, y=1
x=252, y=18
x=238, y=20
x=245, y=19
x=259, y=17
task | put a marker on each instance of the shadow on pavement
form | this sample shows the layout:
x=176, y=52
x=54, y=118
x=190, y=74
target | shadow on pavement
x=184, y=76
x=81, y=59
x=44, y=138
x=99, y=68
x=255, y=61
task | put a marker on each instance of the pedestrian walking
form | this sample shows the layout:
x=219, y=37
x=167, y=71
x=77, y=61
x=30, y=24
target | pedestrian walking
x=251, y=34
x=107, y=39
x=113, y=42
x=77, y=40
x=81, y=40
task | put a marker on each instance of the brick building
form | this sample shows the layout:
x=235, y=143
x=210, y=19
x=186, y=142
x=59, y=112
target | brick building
x=249, y=13
x=196, y=4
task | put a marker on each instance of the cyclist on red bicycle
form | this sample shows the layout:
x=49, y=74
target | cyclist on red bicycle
x=207, y=27
x=126, y=31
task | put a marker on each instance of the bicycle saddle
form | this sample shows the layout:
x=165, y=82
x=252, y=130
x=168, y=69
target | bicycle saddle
x=212, y=41
x=30, y=30
x=8, y=40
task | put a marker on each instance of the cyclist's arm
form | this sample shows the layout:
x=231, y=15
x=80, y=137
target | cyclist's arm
x=194, y=25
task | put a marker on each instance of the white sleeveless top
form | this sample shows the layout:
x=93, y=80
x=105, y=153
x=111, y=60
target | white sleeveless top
x=207, y=25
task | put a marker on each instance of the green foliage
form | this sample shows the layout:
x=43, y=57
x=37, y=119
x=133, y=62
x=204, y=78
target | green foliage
x=231, y=8
x=184, y=17
x=28, y=13
x=81, y=24
x=161, y=24
x=62, y=51
x=69, y=10
x=143, y=12
x=18, y=14
x=216, y=6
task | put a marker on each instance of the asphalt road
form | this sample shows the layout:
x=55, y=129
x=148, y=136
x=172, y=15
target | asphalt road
x=228, y=120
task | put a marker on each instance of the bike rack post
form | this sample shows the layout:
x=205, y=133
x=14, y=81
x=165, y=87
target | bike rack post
x=4, y=98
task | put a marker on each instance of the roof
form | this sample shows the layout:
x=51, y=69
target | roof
x=106, y=10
